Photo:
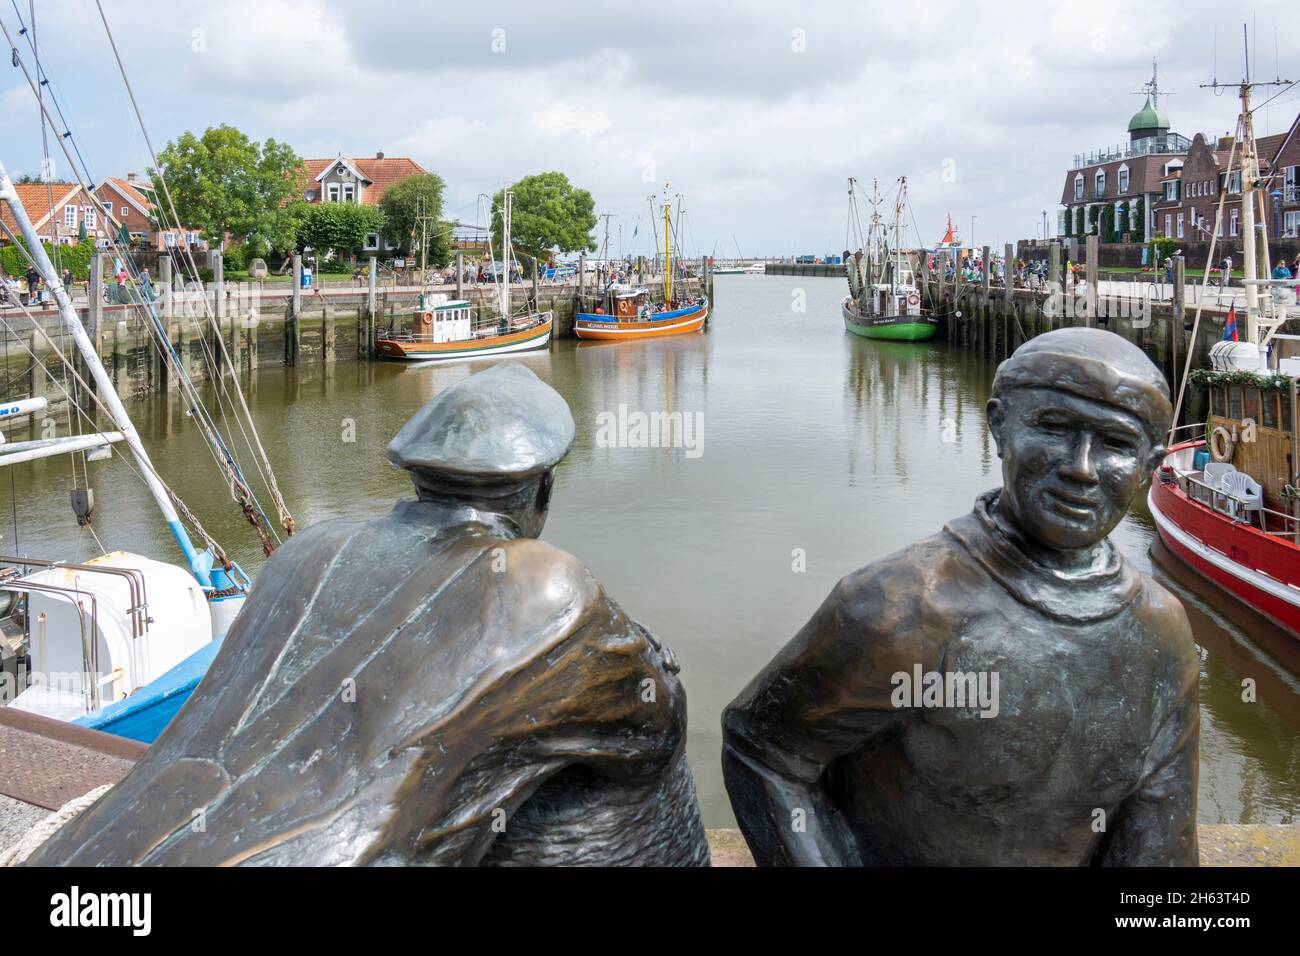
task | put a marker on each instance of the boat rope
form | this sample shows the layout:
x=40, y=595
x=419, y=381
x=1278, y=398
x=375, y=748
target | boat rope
x=1200, y=303
x=42, y=830
x=263, y=461
x=221, y=451
x=181, y=508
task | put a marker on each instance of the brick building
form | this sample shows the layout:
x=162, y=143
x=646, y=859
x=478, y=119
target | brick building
x=1119, y=185
x=358, y=180
x=130, y=202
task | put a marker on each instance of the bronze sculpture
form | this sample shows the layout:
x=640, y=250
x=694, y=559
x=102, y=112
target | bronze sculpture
x=1008, y=691
x=435, y=686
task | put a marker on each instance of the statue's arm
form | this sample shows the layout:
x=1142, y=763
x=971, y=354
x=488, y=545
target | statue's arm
x=1156, y=825
x=820, y=698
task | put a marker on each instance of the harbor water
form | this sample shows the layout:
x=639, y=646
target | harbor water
x=801, y=453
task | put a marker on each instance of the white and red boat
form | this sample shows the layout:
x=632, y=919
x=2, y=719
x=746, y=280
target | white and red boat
x=1253, y=555
x=1227, y=503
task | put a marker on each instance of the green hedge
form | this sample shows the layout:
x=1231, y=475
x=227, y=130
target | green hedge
x=76, y=258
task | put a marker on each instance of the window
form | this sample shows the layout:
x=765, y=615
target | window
x=1233, y=222
x=70, y=217
x=372, y=240
x=1078, y=186
x=1252, y=405
x=1234, y=181
x=126, y=211
x=1172, y=190
x=170, y=240
x=1099, y=183
x=1060, y=223
x=1291, y=224
x=1291, y=184
x=349, y=192
x=332, y=192
x=1169, y=225
x=1180, y=225
x=1123, y=179
x=1234, y=401
x=1286, y=412
x=1270, y=409
x=88, y=216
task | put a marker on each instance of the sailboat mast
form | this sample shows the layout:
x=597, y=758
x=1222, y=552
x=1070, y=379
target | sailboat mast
x=507, y=257
x=668, y=250
x=1248, y=176
x=103, y=384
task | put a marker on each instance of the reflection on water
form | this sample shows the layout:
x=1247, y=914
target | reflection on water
x=821, y=451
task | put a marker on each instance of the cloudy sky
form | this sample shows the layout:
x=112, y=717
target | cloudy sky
x=754, y=112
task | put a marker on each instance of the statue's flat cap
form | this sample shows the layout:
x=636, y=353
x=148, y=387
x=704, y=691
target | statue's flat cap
x=502, y=425
x=1093, y=363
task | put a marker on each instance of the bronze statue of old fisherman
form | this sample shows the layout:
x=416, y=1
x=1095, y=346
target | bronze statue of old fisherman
x=434, y=686
x=1008, y=691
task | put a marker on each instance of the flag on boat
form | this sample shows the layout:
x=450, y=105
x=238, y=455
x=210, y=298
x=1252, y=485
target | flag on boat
x=1230, y=326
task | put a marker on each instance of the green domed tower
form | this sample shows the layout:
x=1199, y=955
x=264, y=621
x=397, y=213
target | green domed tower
x=1147, y=121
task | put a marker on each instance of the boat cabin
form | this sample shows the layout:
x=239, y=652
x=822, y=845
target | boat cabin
x=440, y=319
x=1251, y=425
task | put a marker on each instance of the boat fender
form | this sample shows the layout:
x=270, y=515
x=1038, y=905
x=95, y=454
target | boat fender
x=1222, y=444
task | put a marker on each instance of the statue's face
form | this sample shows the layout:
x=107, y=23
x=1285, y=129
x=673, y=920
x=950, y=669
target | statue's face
x=1070, y=465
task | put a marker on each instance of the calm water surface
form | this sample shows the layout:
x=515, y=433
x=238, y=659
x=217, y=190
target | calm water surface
x=815, y=443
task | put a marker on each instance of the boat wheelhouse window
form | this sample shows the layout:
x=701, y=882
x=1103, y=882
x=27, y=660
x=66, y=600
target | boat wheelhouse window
x=1285, y=399
x=1252, y=405
x=1234, y=401
x=1269, y=416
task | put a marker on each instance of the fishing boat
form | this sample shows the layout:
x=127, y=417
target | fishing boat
x=119, y=641
x=622, y=312
x=446, y=330
x=884, y=301
x=1226, y=499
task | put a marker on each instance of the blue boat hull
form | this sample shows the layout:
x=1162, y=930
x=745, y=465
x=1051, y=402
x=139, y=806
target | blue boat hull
x=146, y=713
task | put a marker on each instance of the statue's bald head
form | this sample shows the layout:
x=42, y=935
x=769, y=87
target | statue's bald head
x=1079, y=417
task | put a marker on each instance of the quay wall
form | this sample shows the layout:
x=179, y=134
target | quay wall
x=261, y=325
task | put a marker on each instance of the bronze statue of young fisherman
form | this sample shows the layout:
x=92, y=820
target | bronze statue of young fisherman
x=871, y=739
x=434, y=686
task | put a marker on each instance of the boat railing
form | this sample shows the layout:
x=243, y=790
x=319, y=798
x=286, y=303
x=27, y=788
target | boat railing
x=1222, y=502
x=481, y=332
x=138, y=612
x=89, y=642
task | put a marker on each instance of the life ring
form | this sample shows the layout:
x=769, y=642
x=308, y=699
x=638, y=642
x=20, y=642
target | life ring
x=1222, y=444
x=913, y=299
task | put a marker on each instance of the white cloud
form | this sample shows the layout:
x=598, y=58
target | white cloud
x=714, y=98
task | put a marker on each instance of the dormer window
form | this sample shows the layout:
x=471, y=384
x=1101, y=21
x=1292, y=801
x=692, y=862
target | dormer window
x=332, y=192
x=1099, y=183
x=1123, y=179
x=1078, y=186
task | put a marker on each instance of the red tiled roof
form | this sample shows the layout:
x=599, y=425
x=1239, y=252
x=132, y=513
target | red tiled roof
x=128, y=189
x=35, y=198
x=381, y=173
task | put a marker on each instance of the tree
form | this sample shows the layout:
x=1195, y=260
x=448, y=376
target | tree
x=409, y=208
x=547, y=213
x=341, y=226
x=224, y=183
x=1106, y=223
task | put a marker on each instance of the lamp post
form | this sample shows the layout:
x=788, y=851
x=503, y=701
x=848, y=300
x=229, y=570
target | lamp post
x=972, y=235
x=1044, y=223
